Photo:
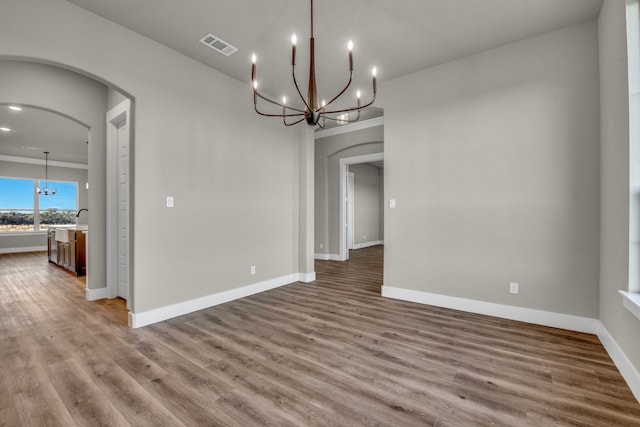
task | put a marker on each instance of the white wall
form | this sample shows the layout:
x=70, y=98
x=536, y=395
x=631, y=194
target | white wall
x=234, y=176
x=614, y=134
x=494, y=164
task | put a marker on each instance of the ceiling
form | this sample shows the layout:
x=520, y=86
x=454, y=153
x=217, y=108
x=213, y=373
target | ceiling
x=34, y=131
x=398, y=37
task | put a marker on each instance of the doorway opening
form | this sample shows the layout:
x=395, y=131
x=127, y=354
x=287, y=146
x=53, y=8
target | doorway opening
x=347, y=217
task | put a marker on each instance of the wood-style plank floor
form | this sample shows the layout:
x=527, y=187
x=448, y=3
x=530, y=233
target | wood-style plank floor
x=330, y=353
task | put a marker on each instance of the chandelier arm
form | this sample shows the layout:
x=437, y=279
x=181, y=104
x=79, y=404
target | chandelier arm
x=342, y=91
x=347, y=110
x=293, y=123
x=295, y=82
x=342, y=120
x=276, y=103
x=277, y=115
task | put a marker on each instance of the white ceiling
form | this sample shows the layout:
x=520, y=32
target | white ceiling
x=34, y=131
x=398, y=37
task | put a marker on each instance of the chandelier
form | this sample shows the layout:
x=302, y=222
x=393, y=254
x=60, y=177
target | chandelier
x=315, y=112
x=46, y=190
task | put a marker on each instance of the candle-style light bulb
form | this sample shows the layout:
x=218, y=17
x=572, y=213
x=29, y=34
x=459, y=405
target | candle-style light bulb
x=324, y=103
x=374, y=72
x=253, y=67
x=350, y=47
x=284, y=99
x=358, y=94
x=255, y=84
x=294, y=40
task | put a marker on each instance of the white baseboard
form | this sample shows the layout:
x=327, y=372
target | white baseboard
x=96, y=294
x=368, y=244
x=307, y=277
x=328, y=257
x=622, y=362
x=137, y=320
x=21, y=250
x=539, y=317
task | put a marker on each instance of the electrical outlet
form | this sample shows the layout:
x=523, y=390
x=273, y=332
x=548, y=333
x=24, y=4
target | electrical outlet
x=253, y=270
x=513, y=288
x=169, y=201
x=321, y=245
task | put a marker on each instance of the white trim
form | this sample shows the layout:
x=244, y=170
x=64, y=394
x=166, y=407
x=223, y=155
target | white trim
x=24, y=249
x=368, y=244
x=626, y=368
x=328, y=257
x=352, y=127
x=539, y=317
x=96, y=294
x=137, y=320
x=344, y=165
x=114, y=117
x=631, y=301
x=307, y=277
x=31, y=161
x=23, y=233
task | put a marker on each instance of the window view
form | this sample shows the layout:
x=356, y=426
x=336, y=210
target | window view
x=22, y=209
x=16, y=204
x=60, y=208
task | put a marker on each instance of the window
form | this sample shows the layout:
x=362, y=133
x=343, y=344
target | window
x=60, y=208
x=17, y=207
x=23, y=210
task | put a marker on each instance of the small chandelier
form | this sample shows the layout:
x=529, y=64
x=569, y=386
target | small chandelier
x=46, y=190
x=315, y=112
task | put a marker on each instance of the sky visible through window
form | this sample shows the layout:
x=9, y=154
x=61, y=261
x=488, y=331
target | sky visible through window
x=17, y=193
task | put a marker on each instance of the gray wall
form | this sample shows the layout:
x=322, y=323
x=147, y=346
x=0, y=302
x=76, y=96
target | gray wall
x=82, y=99
x=614, y=164
x=23, y=170
x=381, y=206
x=328, y=152
x=114, y=98
x=234, y=176
x=367, y=203
x=494, y=163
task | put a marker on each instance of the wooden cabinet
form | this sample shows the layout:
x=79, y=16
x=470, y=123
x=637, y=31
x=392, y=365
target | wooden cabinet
x=70, y=255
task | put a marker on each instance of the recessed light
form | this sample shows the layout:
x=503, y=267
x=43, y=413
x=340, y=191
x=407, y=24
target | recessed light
x=5, y=129
x=15, y=108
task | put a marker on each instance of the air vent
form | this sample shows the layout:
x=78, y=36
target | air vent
x=218, y=44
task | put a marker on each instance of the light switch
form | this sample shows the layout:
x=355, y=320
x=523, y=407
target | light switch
x=169, y=201
x=392, y=203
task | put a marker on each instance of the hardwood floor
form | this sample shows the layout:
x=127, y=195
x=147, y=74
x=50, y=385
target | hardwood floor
x=330, y=353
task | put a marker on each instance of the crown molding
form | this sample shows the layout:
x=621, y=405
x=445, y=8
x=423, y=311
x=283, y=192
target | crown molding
x=31, y=161
x=351, y=127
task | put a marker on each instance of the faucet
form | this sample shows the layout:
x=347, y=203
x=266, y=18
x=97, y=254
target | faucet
x=83, y=209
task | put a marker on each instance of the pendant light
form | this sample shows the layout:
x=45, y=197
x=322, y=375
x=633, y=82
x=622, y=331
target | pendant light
x=315, y=111
x=46, y=191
